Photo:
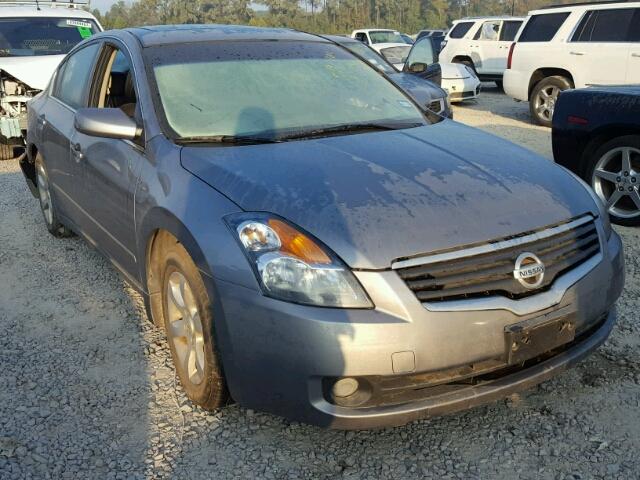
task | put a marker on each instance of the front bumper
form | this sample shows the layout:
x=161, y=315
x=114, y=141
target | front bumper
x=278, y=356
x=461, y=89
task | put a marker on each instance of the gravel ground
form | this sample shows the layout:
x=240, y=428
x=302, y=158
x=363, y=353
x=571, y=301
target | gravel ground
x=87, y=387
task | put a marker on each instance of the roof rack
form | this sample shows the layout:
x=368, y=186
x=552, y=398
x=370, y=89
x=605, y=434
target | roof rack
x=584, y=4
x=50, y=3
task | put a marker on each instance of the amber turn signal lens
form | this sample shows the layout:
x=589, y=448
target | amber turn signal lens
x=298, y=245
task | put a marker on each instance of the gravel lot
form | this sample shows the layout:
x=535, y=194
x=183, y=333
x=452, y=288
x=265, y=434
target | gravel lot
x=87, y=387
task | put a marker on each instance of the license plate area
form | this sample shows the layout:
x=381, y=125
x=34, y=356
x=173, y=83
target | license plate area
x=534, y=337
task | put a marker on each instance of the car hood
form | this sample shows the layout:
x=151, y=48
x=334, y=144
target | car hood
x=421, y=90
x=376, y=197
x=452, y=71
x=35, y=71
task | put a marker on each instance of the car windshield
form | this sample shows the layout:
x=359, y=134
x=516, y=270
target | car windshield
x=385, y=36
x=271, y=90
x=22, y=37
x=396, y=55
x=371, y=56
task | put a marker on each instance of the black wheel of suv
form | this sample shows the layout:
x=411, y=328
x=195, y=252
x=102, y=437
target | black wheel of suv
x=614, y=174
x=188, y=321
x=47, y=205
x=544, y=97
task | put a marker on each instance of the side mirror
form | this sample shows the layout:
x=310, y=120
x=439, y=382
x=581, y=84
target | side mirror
x=417, y=67
x=106, y=123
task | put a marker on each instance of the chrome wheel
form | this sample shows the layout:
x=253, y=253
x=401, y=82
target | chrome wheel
x=616, y=180
x=44, y=194
x=185, y=328
x=545, y=102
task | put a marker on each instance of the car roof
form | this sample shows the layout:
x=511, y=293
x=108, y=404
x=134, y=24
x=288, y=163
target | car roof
x=497, y=17
x=10, y=10
x=366, y=30
x=340, y=39
x=172, y=34
x=573, y=7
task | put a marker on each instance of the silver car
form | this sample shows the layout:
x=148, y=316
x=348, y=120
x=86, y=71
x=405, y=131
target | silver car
x=313, y=242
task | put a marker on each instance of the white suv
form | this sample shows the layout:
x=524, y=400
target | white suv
x=34, y=38
x=576, y=46
x=481, y=43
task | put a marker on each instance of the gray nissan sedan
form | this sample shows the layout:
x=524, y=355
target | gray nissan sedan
x=313, y=242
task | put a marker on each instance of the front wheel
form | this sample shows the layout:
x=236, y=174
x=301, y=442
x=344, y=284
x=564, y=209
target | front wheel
x=614, y=174
x=544, y=97
x=47, y=206
x=188, y=322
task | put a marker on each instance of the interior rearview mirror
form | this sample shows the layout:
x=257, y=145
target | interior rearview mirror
x=106, y=123
x=417, y=67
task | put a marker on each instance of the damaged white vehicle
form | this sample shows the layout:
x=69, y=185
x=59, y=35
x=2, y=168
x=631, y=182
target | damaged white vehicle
x=34, y=38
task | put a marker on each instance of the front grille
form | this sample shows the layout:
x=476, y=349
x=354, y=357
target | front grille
x=488, y=270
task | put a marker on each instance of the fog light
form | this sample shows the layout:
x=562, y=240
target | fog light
x=345, y=387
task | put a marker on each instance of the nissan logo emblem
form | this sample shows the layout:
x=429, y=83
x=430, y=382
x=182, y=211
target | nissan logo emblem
x=529, y=271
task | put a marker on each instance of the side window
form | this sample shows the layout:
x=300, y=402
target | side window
x=509, y=30
x=488, y=31
x=609, y=25
x=73, y=79
x=118, y=88
x=362, y=37
x=634, y=31
x=461, y=29
x=542, y=28
x=422, y=52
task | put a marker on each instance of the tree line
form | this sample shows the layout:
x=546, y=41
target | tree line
x=319, y=16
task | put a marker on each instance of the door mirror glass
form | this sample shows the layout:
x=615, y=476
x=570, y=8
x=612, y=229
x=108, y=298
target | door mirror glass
x=106, y=123
x=417, y=67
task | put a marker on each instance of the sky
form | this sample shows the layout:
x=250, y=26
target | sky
x=102, y=5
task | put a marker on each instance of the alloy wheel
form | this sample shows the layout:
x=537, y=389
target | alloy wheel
x=616, y=180
x=185, y=328
x=44, y=194
x=545, y=102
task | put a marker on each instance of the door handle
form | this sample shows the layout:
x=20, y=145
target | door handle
x=42, y=120
x=76, y=149
x=579, y=54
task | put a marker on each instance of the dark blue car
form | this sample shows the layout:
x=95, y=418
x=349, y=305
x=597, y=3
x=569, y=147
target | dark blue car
x=314, y=243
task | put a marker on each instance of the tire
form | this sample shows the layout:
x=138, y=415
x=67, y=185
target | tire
x=192, y=342
x=47, y=205
x=7, y=152
x=544, y=97
x=608, y=172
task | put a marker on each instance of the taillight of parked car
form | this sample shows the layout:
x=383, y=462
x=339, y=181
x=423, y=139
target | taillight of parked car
x=510, y=58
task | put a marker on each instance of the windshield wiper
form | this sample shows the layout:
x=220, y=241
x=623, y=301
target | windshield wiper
x=348, y=127
x=227, y=139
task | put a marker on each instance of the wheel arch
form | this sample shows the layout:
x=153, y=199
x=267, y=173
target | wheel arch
x=28, y=166
x=542, y=73
x=161, y=226
x=602, y=135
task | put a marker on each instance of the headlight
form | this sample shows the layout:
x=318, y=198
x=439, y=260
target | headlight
x=471, y=71
x=293, y=267
x=602, y=209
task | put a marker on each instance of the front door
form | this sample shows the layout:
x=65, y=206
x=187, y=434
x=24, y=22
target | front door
x=422, y=53
x=486, y=48
x=633, y=68
x=111, y=166
x=599, y=50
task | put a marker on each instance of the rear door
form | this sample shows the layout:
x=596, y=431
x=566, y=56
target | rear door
x=485, y=48
x=508, y=34
x=633, y=69
x=69, y=92
x=600, y=47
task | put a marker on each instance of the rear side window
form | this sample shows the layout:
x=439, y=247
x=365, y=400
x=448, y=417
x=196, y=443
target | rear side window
x=509, y=31
x=605, y=26
x=74, y=78
x=488, y=31
x=542, y=28
x=461, y=29
x=635, y=27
